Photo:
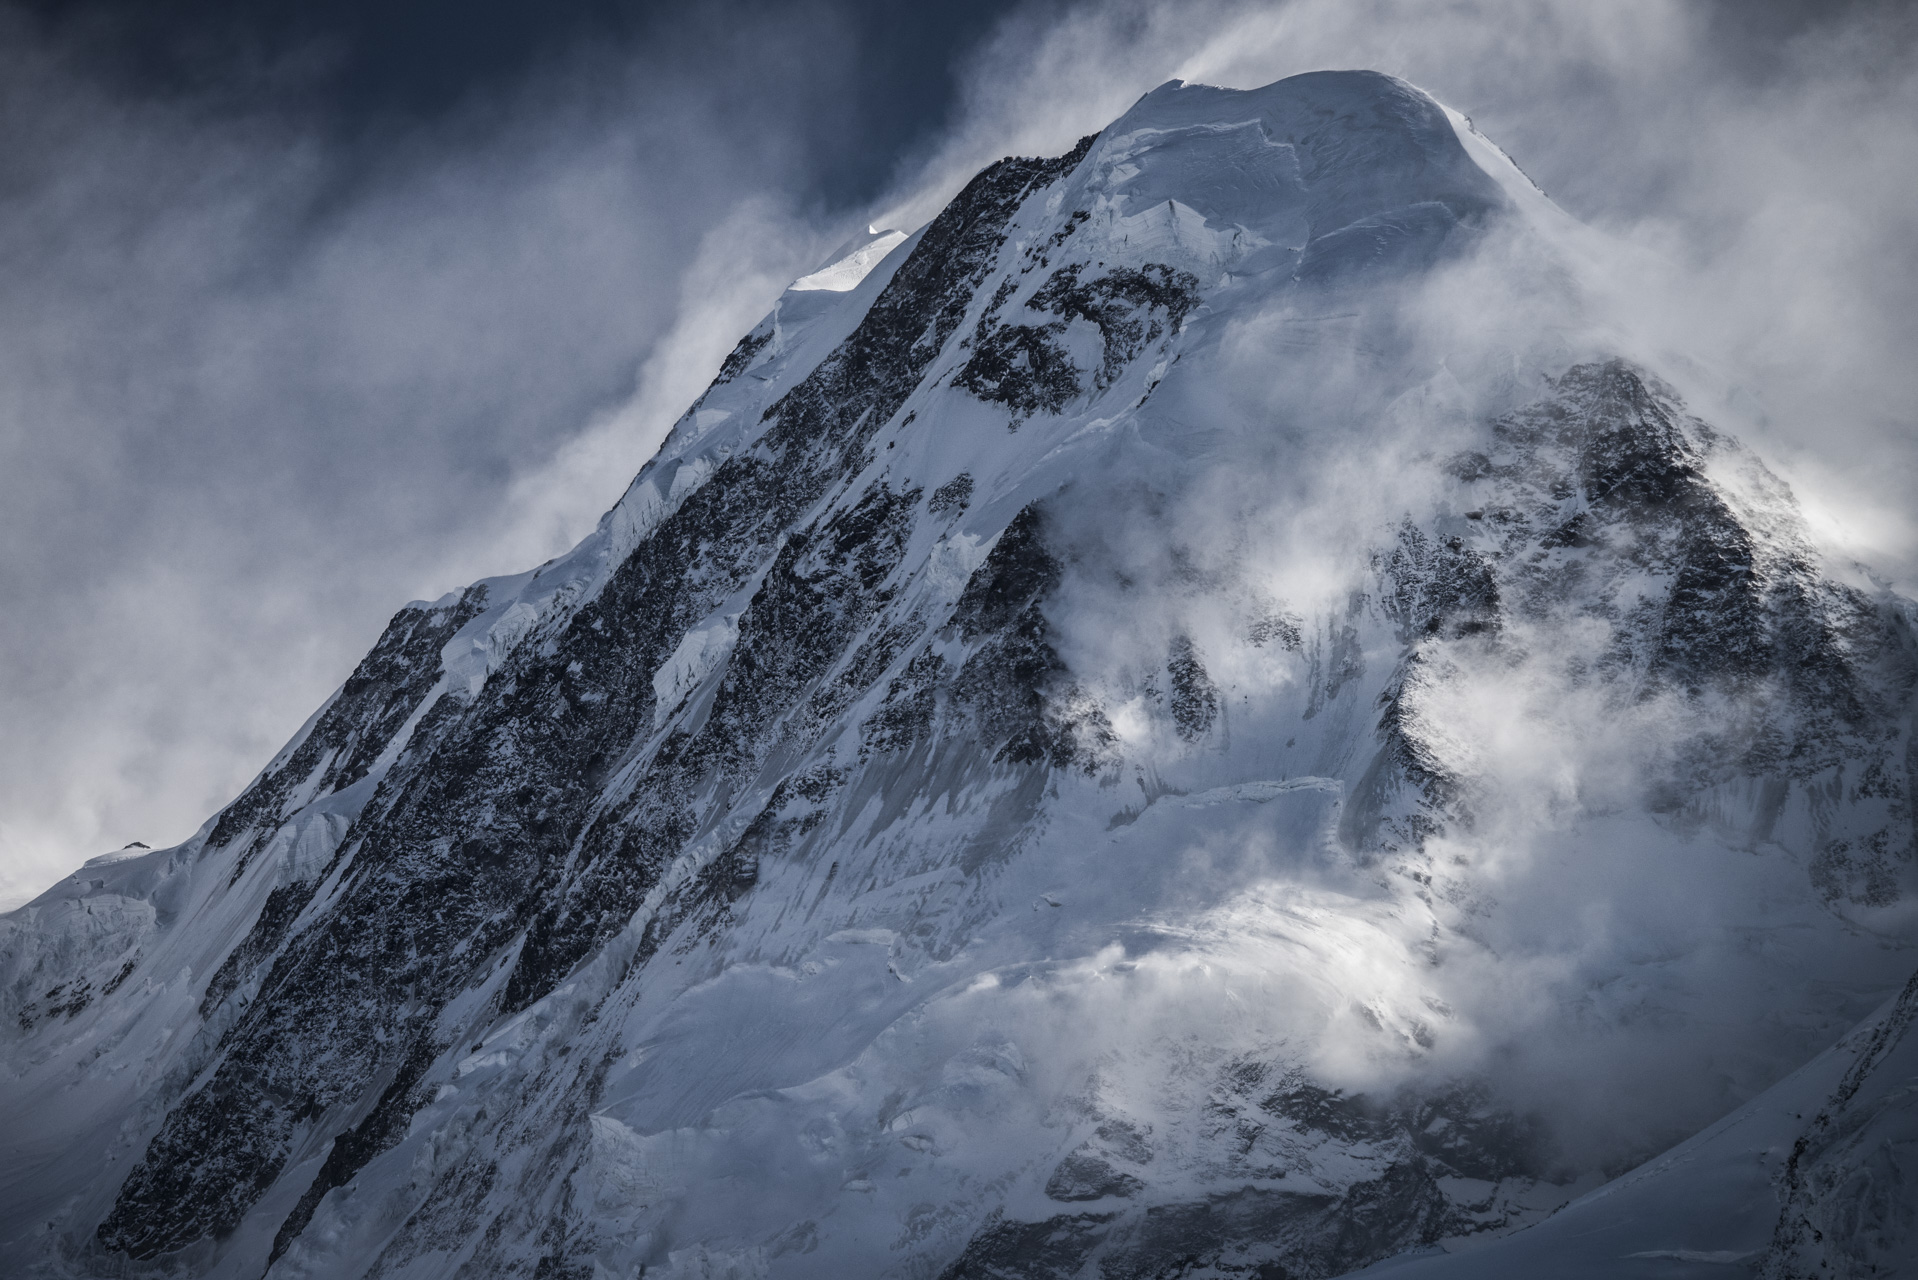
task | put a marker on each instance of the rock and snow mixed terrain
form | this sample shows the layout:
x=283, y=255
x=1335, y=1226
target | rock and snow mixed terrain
x=1206, y=713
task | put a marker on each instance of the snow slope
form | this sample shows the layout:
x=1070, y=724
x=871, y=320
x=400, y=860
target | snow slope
x=1838, y=1137
x=1202, y=714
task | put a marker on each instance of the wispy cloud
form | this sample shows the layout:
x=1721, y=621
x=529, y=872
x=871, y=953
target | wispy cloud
x=1750, y=162
x=261, y=384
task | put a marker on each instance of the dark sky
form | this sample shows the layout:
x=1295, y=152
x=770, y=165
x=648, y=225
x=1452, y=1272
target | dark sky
x=311, y=309
x=363, y=68
x=359, y=63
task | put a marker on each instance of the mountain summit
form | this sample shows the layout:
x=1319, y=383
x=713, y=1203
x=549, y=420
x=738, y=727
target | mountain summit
x=1201, y=714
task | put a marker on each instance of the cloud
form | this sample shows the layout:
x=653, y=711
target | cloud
x=1750, y=163
x=260, y=383
x=1632, y=978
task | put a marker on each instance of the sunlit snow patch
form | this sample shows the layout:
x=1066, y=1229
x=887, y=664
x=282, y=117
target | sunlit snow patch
x=853, y=261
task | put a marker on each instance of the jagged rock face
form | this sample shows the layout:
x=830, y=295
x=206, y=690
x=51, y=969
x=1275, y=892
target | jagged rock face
x=886, y=847
x=1845, y=1191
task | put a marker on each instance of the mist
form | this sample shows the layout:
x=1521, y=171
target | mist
x=1631, y=979
x=1748, y=168
x=264, y=381
x=264, y=384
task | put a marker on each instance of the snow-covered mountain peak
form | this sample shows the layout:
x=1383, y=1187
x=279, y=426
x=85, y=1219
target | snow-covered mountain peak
x=1328, y=149
x=1189, y=717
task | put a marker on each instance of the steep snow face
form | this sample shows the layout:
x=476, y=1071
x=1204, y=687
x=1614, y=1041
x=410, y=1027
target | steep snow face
x=1815, y=1177
x=1191, y=716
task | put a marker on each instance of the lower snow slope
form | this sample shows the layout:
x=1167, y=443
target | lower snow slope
x=1817, y=1176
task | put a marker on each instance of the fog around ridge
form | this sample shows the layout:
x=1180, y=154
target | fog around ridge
x=262, y=387
x=252, y=405
x=1590, y=964
x=1755, y=189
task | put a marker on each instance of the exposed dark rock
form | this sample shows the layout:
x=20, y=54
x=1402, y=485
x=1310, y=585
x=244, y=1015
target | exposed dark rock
x=1606, y=500
x=352, y=1149
x=954, y=495
x=1054, y=1249
x=1194, y=699
x=117, y=980
x=1275, y=625
x=1436, y=587
x=381, y=694
x=1009, y=685
x=1083, y=1176
x=1014, y=684
x=741, y=357
x=1261, y=1230
x=1336, y=659
x=905, y=716
x=1016, y=573
x=1024, y=366
x=557, y=815
x=283, y=906
x=1133, y=308
x=1844, y=1202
